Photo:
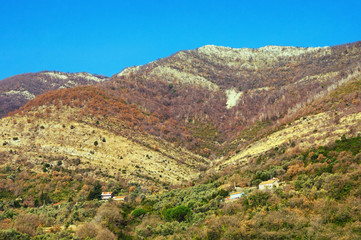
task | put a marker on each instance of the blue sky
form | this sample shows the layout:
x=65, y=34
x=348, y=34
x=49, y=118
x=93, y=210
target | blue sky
x=106, y=36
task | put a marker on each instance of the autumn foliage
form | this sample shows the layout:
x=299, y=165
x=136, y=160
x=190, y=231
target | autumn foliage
x=195, y=117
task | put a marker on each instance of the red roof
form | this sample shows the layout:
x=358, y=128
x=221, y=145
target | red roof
x=107, y=193
x=58, y=203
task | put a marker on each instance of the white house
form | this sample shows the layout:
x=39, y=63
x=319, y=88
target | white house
x=107, y=195
x=269, y=184
x=234, y=196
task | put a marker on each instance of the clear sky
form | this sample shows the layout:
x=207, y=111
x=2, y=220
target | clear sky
x=106, y=36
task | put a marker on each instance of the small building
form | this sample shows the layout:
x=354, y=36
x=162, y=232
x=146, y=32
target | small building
x=236, y=195
x=121, y=198
x=57, y=205
x=107, y=195
x=269, y=184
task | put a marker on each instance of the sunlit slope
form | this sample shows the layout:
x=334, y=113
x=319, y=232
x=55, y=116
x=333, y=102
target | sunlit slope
x=105, y=153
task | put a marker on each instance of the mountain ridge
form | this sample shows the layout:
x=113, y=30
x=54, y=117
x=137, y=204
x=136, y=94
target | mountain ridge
x=16, y=90
x=156, y=100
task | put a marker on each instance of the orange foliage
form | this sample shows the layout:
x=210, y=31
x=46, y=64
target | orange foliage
x=6, y=223
x=295, y=169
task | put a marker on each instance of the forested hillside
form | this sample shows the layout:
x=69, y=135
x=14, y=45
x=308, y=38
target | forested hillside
x=174, y=104
x=177, y=136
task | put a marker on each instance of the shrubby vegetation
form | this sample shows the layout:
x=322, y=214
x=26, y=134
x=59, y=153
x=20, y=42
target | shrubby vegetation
x=320, y=199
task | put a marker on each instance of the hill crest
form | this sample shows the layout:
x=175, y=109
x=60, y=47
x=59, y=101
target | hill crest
x=17, y=90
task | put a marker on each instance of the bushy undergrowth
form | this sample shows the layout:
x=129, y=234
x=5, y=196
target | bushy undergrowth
x=320, y=198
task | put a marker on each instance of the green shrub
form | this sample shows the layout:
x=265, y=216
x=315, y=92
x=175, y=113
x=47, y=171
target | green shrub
x=179, y=213
x=256, y=199
x=223, y=193
x=96, y=192
x=138, y=212
x=9, y=213
x=167, y=228
x=12, y=234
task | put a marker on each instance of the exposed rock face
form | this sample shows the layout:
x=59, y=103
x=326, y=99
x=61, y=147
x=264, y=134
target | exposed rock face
x=17, y=90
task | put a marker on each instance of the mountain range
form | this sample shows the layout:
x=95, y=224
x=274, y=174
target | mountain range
x=176, y=137
x=195, y=111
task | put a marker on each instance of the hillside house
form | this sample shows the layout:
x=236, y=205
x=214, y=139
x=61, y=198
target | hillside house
x=57, y=205
x=234, y=196
x=107, y=195
x=121, y=198
x=269, y=184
